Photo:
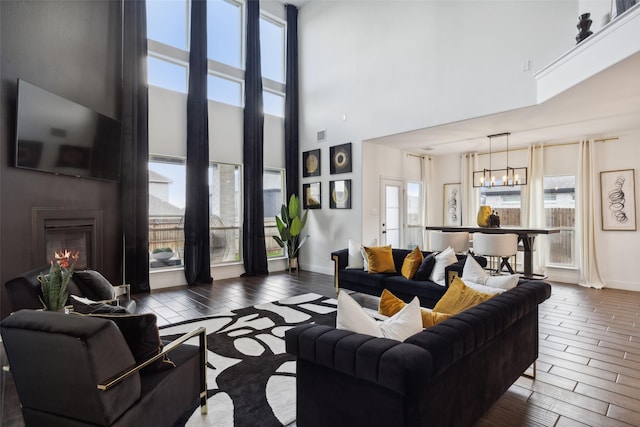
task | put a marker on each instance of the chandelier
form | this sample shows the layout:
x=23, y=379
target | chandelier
x=507, y=176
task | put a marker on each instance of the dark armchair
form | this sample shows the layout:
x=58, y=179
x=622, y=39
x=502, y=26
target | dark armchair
x=73, y=370
x=24, y=291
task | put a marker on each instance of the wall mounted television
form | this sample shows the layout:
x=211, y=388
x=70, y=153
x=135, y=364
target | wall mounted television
x=56, y=135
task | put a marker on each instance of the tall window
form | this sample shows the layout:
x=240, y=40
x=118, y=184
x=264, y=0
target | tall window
x=560, y=209
x=415, y=227
x=224, y=32
x=168, y=27
x=225, y=207
x=167, y=183
x=168, y=22
x=167, y=178
x=168, y=34
x=505, y=201
x=273, y=197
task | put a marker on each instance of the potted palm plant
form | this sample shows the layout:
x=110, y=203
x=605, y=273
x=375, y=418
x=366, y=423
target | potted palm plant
x=290, y=224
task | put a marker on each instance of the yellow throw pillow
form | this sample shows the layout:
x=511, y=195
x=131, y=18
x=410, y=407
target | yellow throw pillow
x=380, y=259
x=411, y=263
x=459, y=297
x=390, y=304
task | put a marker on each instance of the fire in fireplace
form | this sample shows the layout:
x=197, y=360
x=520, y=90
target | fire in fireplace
x=70, y=240
x=76, y=231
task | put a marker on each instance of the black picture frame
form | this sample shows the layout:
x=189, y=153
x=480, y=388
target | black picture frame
x=312, y=195
x=311, y=165
x=340, y=158
x=340, y=194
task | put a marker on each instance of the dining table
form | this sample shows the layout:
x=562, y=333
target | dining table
x=525, y=235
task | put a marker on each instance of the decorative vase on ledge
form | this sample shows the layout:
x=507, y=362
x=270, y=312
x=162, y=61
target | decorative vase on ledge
x=583, y=25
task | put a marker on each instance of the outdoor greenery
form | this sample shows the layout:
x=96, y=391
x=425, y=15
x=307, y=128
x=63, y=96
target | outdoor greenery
x=159, y=250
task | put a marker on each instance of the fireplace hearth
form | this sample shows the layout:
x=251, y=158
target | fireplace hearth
x=77, y=231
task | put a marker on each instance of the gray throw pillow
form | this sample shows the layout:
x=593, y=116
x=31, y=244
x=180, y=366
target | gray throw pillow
x=93, y=285
x=424, y=271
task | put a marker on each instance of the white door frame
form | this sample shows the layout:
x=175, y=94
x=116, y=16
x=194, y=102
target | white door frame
x=384, y=226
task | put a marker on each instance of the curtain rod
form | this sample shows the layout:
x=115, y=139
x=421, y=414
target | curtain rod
x=615, y=138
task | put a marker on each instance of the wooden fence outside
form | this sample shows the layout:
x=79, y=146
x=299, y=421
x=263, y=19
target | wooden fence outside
x=561, y=245
x=169, y=232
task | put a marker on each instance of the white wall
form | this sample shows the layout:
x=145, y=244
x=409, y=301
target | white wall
x=617, y=251
x=375, y=68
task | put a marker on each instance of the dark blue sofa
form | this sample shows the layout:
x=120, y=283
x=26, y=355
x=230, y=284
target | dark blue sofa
x=447, y=375
x=358, y=280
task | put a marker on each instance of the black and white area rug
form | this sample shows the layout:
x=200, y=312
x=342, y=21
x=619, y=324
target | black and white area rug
x=250, y=376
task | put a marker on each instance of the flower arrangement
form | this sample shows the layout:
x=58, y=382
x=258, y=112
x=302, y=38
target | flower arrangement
x=54, y=284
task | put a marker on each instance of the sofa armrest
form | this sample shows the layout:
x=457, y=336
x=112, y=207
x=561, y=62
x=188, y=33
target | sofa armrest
x=399, y=367
x=341, y=258
x=340, y=261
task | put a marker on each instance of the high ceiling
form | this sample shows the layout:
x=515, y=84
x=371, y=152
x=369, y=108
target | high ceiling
x=603, y=106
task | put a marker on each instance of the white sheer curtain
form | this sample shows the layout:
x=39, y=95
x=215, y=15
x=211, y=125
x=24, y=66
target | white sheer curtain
x=532, y=205
x=427, y=191
x=587, y=202
x=470, y=199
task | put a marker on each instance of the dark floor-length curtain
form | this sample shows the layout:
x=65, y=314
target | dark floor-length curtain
x=291, y=159
x=197, y=261
x=135, y=151
x=254, y=249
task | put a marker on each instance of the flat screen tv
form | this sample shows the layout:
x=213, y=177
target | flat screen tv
x=56, y=135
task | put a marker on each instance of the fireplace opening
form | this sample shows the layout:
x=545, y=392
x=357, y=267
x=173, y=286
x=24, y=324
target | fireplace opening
x=77, y=240
x=75, y=230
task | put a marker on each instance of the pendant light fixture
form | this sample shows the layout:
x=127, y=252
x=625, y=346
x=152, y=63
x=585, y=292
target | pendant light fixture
x=509, y=176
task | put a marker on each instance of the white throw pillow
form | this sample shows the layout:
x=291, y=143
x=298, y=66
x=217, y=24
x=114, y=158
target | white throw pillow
x=473, y=272
x=400, y=326
x=503, y=282
x=484, y=289
x=443, y=260
x=355, y=255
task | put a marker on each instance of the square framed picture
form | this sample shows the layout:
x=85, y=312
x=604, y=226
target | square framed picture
x=618, y=199
x=452, y=208
x=340, y=194
x=311, y=163
x=312, y=195
x=340, y=158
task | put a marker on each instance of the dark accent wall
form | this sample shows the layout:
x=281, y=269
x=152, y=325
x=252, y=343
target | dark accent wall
x=74, y=49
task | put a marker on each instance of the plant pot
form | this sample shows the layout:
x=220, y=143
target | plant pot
x=293, y=264
x=162, y=256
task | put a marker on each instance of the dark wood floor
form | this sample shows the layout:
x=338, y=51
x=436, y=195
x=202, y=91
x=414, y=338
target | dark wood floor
x=588, y=368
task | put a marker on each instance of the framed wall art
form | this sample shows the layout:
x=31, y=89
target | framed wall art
x=340, y=157
x=311, y=163
x=340, y=194
x=452, y=207
x=312, y=195
x=618, y=199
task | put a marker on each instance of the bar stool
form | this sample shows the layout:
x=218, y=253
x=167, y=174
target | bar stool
x=441, y=240
x=501, y=246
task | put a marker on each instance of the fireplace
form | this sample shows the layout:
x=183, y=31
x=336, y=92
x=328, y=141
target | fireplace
x=77, y=231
